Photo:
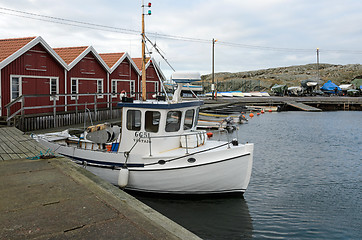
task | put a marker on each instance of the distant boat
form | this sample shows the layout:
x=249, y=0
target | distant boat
x=256, y=94
x=265, y=94
x=311, y=84
x=296, y=91
x=226, y=94
x=247, y=94
x=345, y=87
x=237, y=94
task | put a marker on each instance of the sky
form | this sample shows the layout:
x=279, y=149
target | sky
x=250, y=34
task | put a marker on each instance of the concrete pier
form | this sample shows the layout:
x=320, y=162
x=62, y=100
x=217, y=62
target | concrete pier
x=57, y=199
x=332, y=103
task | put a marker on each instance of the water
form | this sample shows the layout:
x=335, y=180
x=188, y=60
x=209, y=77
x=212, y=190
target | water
x=306, y=183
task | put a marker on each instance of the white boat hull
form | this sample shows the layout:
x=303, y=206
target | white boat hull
x=220, y=170
x=224, y=176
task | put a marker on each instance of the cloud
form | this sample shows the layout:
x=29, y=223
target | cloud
x=264, y=30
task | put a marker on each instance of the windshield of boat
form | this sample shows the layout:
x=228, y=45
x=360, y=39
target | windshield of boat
x=134, y=120
x=173, y=121
x=152, y=121
x=189, y=119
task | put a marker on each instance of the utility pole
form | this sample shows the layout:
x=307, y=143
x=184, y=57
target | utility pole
x=213, y=68
x=318, y=63
x=144, y=97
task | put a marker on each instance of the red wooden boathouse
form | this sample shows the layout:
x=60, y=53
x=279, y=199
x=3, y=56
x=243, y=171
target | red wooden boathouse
x=87, y=74
x=30, y=66
x=154, y=76
x=124, y=74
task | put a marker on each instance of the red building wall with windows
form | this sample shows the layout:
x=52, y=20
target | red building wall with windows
x=152, y=81
x=29, y=66
x=124, y=78
x=87, y=76
x=152, y=78
x=33, y=70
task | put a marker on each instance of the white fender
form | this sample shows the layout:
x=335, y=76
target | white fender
x=123, y=177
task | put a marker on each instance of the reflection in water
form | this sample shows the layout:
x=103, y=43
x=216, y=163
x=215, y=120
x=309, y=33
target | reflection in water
x=212, y=218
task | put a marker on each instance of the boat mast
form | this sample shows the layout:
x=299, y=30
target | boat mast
x=143, y=50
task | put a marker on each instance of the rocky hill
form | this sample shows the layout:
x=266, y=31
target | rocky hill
x=262, y=80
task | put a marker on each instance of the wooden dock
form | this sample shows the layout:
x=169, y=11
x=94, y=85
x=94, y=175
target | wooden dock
x=15, y=145
x=302, y=106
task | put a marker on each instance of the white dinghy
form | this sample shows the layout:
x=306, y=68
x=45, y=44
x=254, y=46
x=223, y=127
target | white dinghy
x=158, y=149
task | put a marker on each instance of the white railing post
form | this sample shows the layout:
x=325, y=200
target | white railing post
x=187, y=149
x=149, y=139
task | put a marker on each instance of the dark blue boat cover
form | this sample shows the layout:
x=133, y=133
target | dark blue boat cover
x=330, y=87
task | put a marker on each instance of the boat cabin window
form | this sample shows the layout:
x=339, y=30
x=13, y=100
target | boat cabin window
x=197, y=115
x=189, y=119
x=173, y=121
x=134, y=120
x=152, y=121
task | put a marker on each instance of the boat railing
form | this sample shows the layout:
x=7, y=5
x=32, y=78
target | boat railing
x=202, y=134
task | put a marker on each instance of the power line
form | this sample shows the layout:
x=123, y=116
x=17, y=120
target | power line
x=69, y=22
x=158, y=35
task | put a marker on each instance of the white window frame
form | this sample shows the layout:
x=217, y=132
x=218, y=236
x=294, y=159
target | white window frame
x=114, y=85
x=131, y=82
x=156, y=87
x=101, y=86
x=56, y=85
x=29, y=76
x=76, y=87
x=87, y=79
x=20, y=90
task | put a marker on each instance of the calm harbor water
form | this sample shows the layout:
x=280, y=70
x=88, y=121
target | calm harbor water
x=306, y=183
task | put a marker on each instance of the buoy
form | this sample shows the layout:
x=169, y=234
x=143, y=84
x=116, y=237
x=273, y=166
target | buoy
x=258, y=114
x=209, y=134
x=251, y=115
x=262, y=111
x=270, y=110
x=123, y=177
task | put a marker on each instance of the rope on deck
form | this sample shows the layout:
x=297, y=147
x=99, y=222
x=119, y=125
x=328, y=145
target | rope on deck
x=47, y=155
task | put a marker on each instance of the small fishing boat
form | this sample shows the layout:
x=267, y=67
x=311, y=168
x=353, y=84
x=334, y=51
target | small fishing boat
x=157, y=149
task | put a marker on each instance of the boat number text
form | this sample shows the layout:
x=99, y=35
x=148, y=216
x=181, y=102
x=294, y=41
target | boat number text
x=142, y=137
